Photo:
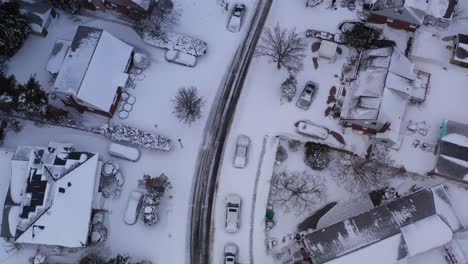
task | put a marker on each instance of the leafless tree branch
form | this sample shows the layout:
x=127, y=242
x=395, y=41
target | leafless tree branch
x=359, y=174
x=297, y=190
x=284, y=47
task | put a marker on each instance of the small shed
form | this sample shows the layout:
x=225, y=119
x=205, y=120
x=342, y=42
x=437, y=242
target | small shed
x=460, y=51
x=39, y=15
x=327, y=51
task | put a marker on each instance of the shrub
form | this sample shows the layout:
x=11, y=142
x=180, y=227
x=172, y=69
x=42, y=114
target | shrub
x=316, y=155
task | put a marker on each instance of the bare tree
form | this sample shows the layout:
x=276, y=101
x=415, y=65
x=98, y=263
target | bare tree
x=188, y=105
x=284, y=47
x=296, y=190
x=365, y=174
x=162, y=17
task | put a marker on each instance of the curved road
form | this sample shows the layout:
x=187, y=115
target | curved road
x=217, y=127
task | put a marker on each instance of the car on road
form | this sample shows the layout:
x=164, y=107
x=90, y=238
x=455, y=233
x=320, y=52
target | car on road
x=133, y=207
x=230, y=253
x=310, y=129
x=237, y=17
x=180, y=58
x=233, y=206
x=307, y=95
x=124, y=152
x=242, y=150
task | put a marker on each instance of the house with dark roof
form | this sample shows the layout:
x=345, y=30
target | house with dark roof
x=393, y=232
x=52, y=193
x=410, y=14
x=94, y=71
x=131, y=8
x=452, y=161
x=376, y=98
x=460, y=51
x=39, y=15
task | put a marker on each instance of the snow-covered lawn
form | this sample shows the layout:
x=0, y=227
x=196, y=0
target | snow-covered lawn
x=154, y=88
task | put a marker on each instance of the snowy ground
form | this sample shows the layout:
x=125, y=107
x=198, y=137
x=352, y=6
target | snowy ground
x=167, y=241
x=260, y=113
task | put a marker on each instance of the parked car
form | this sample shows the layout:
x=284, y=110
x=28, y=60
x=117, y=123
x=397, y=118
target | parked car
x=237, y=17
x=133, y=207
x=230, y=253
x=233, y=206
x=312, y=130
x=124, y=152
x=307, y=95
x=242, y=150
x=180, y=58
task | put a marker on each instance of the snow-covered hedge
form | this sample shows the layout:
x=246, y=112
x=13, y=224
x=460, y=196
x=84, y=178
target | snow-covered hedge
x=121, y=132
x=176, y=41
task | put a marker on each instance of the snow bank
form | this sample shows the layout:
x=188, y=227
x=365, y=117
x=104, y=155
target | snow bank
x=124, y=133
x=13, y=219
x=176, y=41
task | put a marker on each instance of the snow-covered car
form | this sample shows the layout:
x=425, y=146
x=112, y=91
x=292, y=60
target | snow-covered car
x=237, y=17
x=233, y=206
x=124, y=152
x=180, y=58
x=307, y=95
x=242, y=150
x=312, y=130
x=133, y=207
x=230, y=253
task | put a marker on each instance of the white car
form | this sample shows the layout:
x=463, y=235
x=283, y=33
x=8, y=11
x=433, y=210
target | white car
x=133, y=207
x=242, y=150
x=237, y=17
x=230, y=253
x=312, y=130
x=233, y=206
x=181, y=58
x=124, y=152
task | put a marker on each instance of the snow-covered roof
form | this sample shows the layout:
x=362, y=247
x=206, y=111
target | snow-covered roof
x=145, y=4
x=106, y=72
x=94, y=67
x=417, y=9
x=382, y=87
x=327, y=49
x=57, y=55
x=453, y=150
x=56, y=194
x=400, y=221
x=37, y=13
x=461, y=51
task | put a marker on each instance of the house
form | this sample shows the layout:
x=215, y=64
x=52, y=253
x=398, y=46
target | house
x=388, y=234
x=376, y=99
x=460, y=51
x=51, y=196
x=327, y=51
x=410, y=14
x=39, y=15
x=452, y=161
x=131, y=8
x=94, y=71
